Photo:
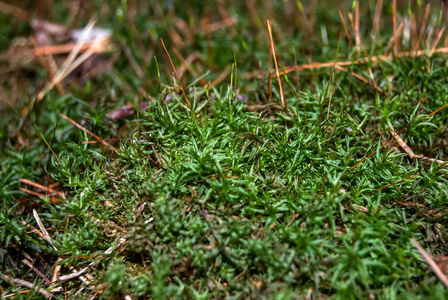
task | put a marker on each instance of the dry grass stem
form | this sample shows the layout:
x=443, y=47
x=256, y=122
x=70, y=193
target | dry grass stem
x=411, y=153
x=90, y=133
x=361, y=61
x=275, y=62
x=377, y=17
x=39, y=186
x=45, y=234
x=422, y=28
x=27, y=284
x=345, y=28
x=177, y=75
x=432, y=264
x=35, y=271
x=436, y=42
x=75, y=274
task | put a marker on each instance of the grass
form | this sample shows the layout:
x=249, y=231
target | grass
x=239, y=189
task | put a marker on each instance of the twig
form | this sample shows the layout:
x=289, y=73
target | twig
x=393, y=40
x=221, y=76
x=361, y=78
x=51, y=67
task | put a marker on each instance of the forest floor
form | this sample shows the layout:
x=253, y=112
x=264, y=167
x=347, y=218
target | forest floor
x=239, y=149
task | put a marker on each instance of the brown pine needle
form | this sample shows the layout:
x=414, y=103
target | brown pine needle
x=436, y=111
x=394, y=39
x=394, y=24
x=275, y=62
x=31, y=192
x=411, y=153
x=353, y=73
x=90, y=133
x=360, y=61
x=345, y=28
x=422, y=28
x=439, y=36
x=39, y=186
x=398, y=182
x=175, y=72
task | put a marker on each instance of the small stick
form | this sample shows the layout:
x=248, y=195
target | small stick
x=15, y=11
x=11, y=260
x=70, y=63
x=360, y=78
x=65, y=48
x=222, y=76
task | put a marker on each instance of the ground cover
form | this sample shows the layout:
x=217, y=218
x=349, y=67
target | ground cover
x=300, y=157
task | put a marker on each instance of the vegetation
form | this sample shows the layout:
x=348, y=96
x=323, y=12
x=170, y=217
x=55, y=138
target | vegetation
x=296, y=159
